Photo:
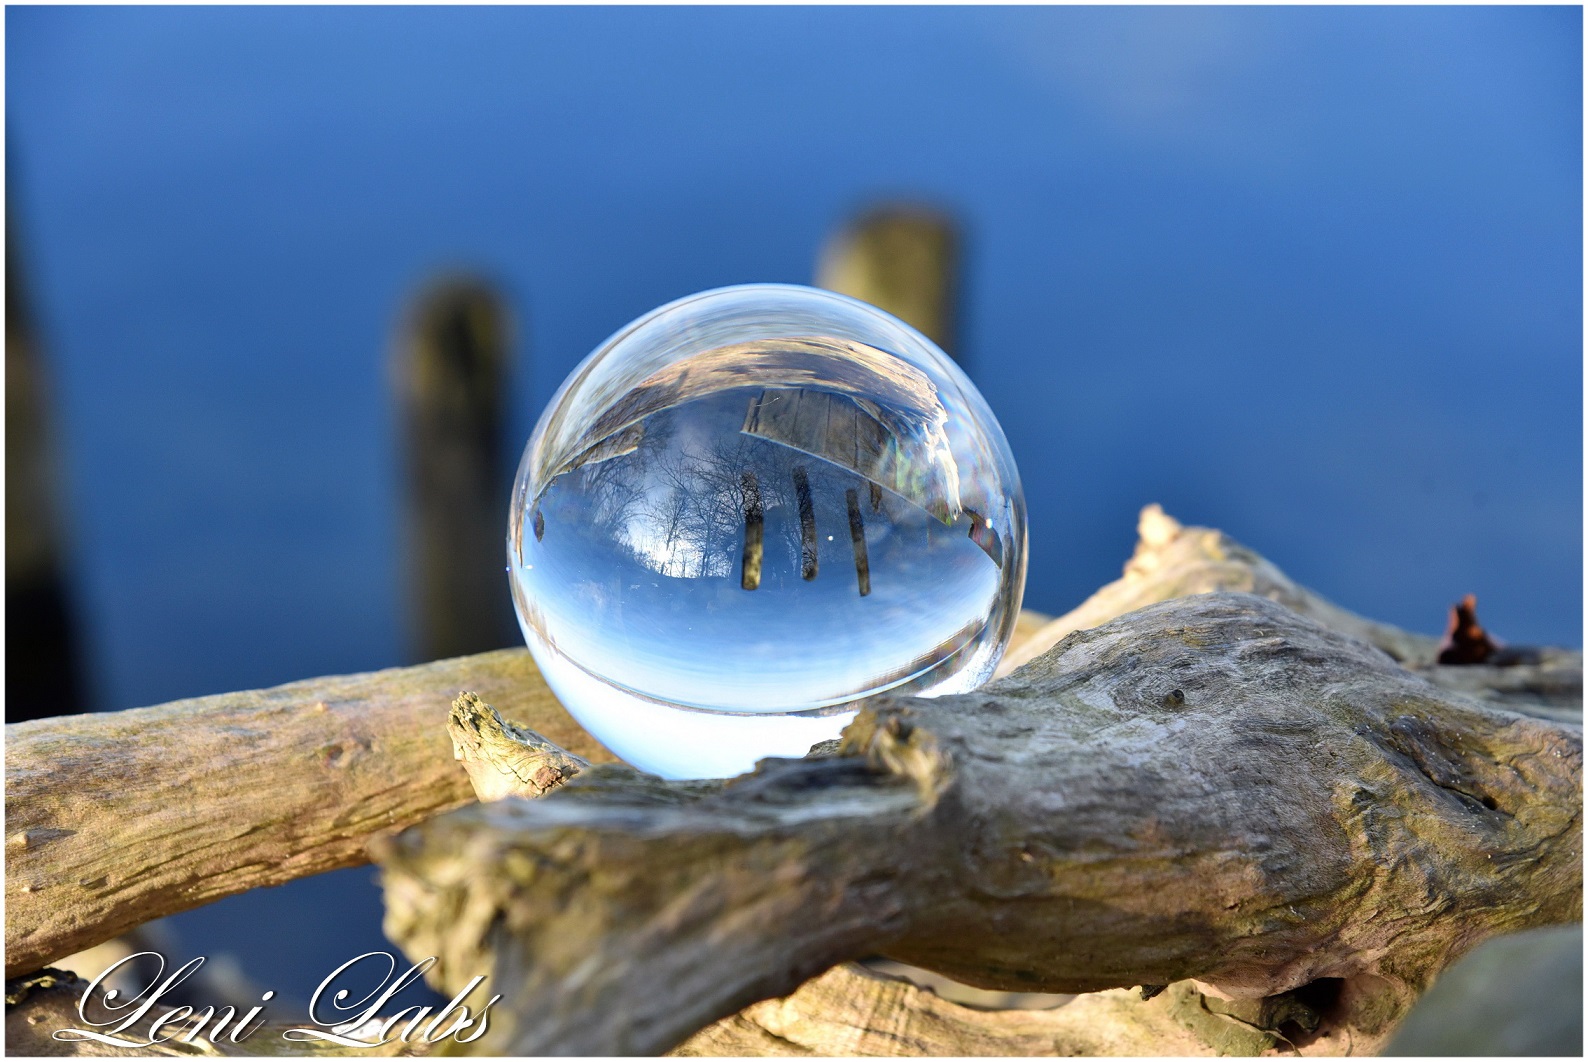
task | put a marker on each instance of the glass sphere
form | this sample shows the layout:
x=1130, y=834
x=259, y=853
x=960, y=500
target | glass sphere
x=751, y=508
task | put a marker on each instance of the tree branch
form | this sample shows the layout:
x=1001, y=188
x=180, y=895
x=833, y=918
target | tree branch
x=1212, y=788
x=122, y=817
x=1174, y=561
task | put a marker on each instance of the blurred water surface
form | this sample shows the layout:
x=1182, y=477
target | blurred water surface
x=1311, y=275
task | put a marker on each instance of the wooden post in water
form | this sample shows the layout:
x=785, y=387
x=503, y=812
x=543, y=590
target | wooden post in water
x=451, y=369
x=902, y=259
x=43, y=658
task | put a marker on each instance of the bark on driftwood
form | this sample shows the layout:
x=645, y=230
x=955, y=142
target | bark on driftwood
x=1213, y=788
x=1173, y=561
x=851, y=1011
x=122, y=817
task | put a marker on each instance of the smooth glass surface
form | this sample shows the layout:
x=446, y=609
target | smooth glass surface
x=752, y=508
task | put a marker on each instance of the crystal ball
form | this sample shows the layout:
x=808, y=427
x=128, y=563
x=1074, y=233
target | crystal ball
x=752, y=508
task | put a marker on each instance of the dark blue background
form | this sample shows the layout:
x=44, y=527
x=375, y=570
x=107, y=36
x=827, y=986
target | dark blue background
x=1311, y=275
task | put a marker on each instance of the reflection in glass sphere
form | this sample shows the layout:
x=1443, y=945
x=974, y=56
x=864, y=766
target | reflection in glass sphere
x=751, y=508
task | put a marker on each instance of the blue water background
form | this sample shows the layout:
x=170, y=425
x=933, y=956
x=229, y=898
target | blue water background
x=1310, y=275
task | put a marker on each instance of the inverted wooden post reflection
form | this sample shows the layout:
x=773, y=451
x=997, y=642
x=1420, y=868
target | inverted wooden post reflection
x=802, y=493
x=857, y=536
x=754, y=523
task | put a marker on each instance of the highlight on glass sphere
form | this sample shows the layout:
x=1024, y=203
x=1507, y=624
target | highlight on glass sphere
x=752, y=508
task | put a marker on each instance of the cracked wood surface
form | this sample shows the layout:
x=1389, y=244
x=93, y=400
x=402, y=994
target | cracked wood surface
x=852, y=1009
x=1212, y=788
x=849, y=1011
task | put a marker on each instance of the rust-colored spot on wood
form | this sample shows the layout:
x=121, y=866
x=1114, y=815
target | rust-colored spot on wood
x=1466, y=642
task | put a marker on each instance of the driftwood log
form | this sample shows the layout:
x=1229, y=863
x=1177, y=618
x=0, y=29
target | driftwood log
x=1175, y=561
x=118, y=818
x=289, y=781
x=1212, y=788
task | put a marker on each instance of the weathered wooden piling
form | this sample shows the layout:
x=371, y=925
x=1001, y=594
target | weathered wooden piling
x=451, y=368
x=43, y=656
x=903, y=259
